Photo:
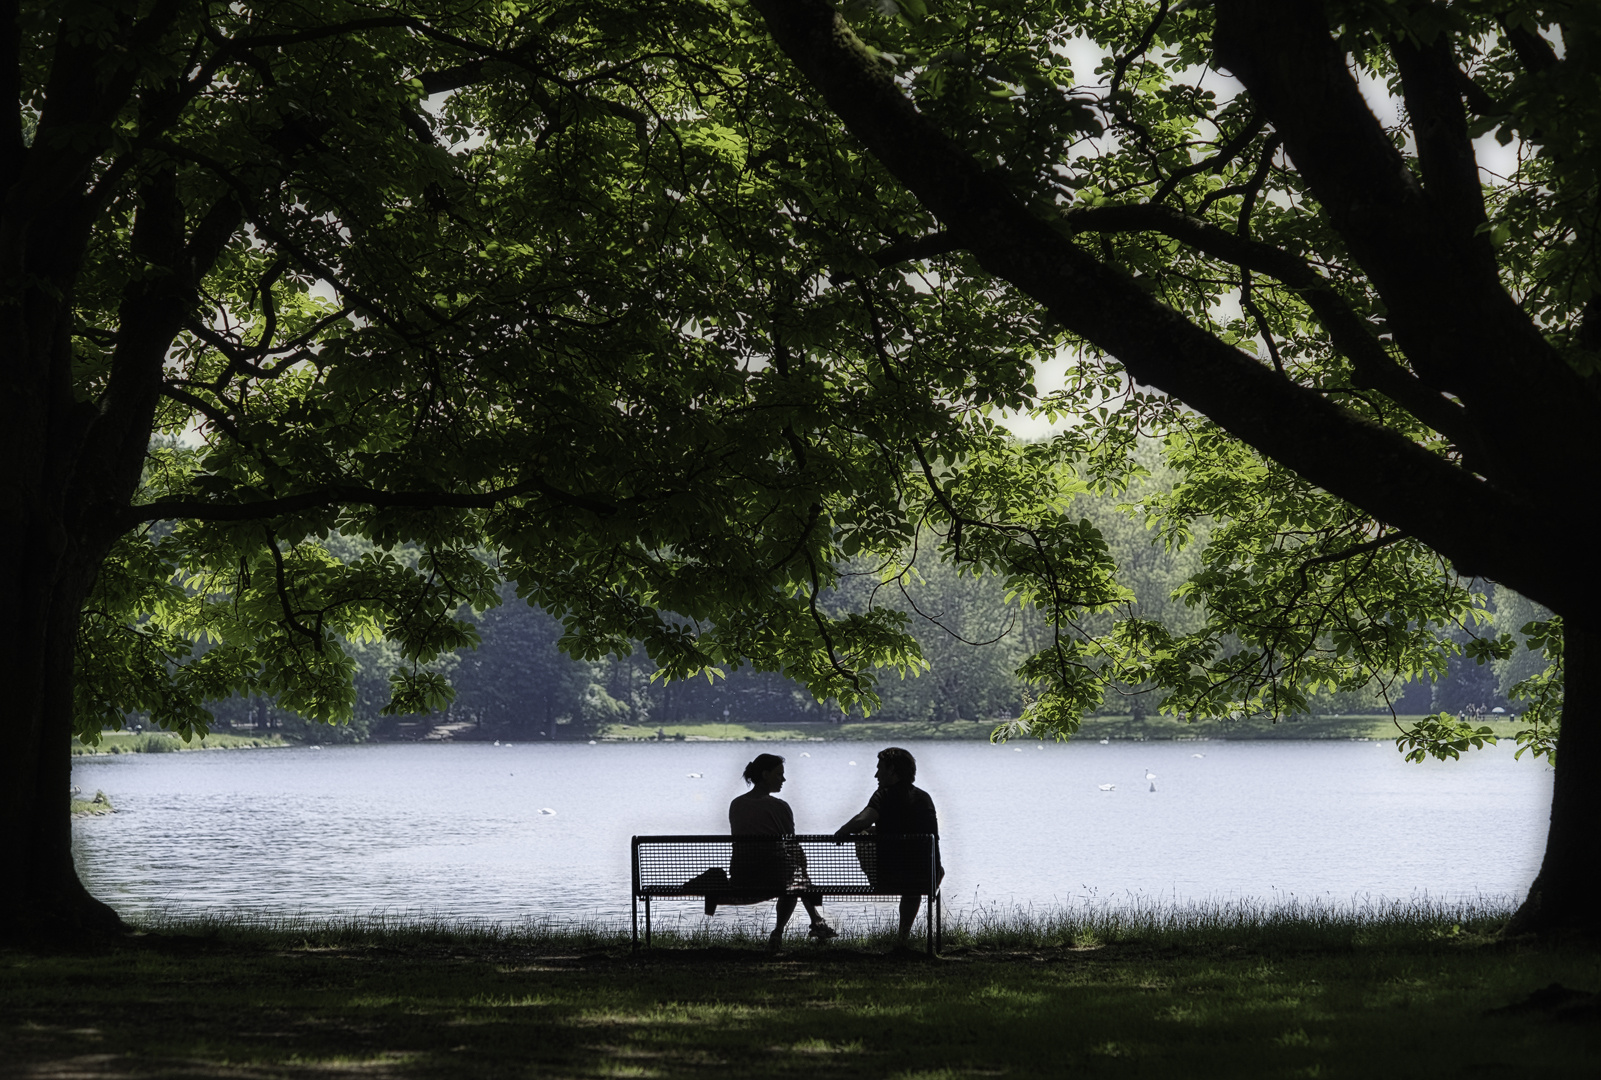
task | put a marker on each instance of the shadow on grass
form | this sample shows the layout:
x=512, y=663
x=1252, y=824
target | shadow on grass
x=1226, y=990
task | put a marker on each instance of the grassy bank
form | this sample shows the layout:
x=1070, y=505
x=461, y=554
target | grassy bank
x=1155, y=728
x=93, y=807
x=164, y=742
x=1226, y=991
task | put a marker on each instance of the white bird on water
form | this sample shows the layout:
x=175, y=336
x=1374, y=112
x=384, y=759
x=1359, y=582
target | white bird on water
x=1108, y=787
x=547, y=810
x=1149, y=775
x=695, y=775
x=805, y=754
x=1197, y=755
x=1106, y=742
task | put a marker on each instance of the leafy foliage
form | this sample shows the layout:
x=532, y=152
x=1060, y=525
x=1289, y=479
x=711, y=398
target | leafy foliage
x=585, y=296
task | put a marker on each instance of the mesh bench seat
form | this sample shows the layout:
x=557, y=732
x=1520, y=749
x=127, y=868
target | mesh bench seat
x=752, y=869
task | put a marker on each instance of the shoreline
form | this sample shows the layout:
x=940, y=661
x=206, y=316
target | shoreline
x=1093, y=729
x=1107, y=729
x=167, y=742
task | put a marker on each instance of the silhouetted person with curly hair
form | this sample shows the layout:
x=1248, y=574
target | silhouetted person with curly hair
x=898, y=808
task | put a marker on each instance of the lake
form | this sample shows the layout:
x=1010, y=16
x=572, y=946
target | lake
x=456, y=830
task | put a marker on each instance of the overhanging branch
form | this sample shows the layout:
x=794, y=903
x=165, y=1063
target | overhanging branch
x=1404, y=484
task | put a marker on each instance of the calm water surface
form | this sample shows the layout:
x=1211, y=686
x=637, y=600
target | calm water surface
x=457, y=830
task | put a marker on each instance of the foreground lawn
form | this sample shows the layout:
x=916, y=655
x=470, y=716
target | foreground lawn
x=287, y=1001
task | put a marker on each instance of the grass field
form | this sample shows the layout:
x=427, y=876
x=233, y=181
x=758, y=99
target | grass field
x=1211, y=992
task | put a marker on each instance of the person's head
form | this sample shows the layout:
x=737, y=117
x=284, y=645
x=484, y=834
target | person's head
x=765, y=771
x=896, y=766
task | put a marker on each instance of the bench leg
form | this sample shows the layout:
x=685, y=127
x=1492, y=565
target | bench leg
x=939, y=923
x=636, y=922
x=647, y=922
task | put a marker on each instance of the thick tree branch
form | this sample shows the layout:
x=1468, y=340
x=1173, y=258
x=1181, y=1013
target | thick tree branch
x=1431, y=85
x=1477, y=98
x=914, y=248
x=1446, y=306
x=1534, y=51
x=76, y=103
x=1350, y=334
x=12, y=149
x=1389, y=476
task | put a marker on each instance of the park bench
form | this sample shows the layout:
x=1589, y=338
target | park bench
x=861, y=866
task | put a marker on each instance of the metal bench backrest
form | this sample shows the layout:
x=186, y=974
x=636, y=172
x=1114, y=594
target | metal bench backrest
x=835, y=866
x=745, y=869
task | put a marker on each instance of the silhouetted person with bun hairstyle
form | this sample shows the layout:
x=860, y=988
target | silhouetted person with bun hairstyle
x=899, y=808
x=771, y=869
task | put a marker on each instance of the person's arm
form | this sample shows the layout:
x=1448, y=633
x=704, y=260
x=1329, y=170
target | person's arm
x=865, y=820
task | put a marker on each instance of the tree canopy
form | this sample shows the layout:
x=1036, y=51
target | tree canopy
x=663, y=310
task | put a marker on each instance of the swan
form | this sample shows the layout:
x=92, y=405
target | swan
x=1108, y=787
x=1149, y=775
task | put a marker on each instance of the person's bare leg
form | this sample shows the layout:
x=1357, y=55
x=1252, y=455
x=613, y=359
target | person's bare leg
x=786, y=908
x=909, y=905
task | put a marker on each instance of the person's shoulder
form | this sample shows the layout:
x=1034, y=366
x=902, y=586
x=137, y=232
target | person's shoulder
x=917, y=794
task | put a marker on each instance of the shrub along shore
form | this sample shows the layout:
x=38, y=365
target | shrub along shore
x=165, y=742
x=1217, y=990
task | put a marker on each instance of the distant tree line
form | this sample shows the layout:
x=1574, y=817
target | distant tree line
x=519, y=683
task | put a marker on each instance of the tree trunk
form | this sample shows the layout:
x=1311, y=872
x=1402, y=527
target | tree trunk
x=1564, y=893
x=45, y=898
